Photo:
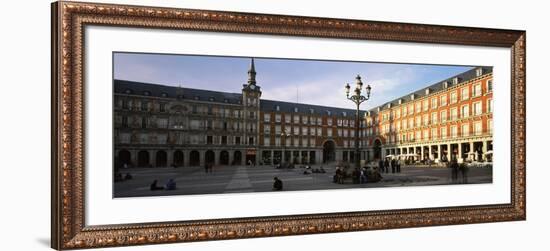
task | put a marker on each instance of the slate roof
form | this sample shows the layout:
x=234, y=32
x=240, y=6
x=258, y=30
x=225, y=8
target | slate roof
x=463, y=77
x=156, y=90
x=138, y=88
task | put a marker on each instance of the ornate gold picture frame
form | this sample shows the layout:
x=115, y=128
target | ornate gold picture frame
x=69, y=20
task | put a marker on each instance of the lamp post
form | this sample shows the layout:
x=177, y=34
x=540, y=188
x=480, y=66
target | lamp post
x=357, y=98
x=284, y=136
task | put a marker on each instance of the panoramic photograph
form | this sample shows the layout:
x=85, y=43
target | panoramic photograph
x=198, y=124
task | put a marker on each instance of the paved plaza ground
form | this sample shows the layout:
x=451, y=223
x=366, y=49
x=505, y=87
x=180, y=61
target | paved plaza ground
x=242, y=179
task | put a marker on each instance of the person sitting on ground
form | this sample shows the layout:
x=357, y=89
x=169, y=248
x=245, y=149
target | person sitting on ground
x=171, y=185
x=154, y=186
x=278, y=184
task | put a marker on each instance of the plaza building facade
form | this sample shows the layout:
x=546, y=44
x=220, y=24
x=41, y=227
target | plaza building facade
x=158, y=125
x=450, y=119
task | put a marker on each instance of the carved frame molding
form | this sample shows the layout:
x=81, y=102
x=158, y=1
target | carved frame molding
x=68, y=22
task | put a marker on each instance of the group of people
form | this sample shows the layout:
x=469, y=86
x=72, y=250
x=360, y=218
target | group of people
x=120, y=177
x=457, y=168
x=386, y=165
x=170, y=185
x=309, y=170
x=208, y=167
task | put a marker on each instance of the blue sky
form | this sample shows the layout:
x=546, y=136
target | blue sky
x=308, y=81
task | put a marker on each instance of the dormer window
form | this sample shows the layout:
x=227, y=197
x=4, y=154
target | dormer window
x=427, y=91
x=226, y=100
x=146, y=93
x=455, y=80
x=328, y=113
x=344, y=114
x=479, y=72
x=446, y=84
x=164, y=95
x=211, y=99
x=389, y=105
x=197, y=97
x=311, y=111
x=295, y=109
x=400, y=101
x=277, y=108
x=128, y=91
x=412, y=96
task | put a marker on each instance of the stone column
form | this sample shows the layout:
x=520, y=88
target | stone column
x=459, y=152
x=231, y=155
x=300, y=157
x=202, y=157
x=169, y=157
x=318, y=157
x=186, y=156
x=421, y=152
x=484, y=150
x=449, y=153
x=134, y=157
x=471, y=150
x=152, y=158
x=439, y=152
x=217, y=157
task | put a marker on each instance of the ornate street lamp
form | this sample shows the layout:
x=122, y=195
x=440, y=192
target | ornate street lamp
x=357, y=98
x=284, y=135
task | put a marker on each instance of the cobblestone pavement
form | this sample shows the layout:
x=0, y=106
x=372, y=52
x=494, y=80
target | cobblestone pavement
x=241, y=179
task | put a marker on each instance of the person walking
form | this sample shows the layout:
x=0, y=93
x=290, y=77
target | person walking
x=463, y=168
x=381, y=166
x=386, y=165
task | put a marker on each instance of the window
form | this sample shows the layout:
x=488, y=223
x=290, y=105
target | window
x=304, y=120
x=465, y=112
x=465, y=130
x=417, y=121
x=277, y=108
x=209, y=140
x=278, y=118
x=312, y=142
x=434, y=103
x=266, y=141
x=443, y=100
x=477, y=108
x=477, y=90
x=267, y=117
x=443, y=132
x=426, y=120
x=296, y=142
x=224, y=140
x=454, y=131
x=250, y=141
x=287, y=118
x=329, y=132
x=277, y=130
x=434, y=117
x=478, y=129
x=329, y=121
x=465, y=93
x=277, y=141
x=124, y=122
x=210, y=110
x=143, y=122
x=454, y=113
x=304, y=131
x=267, y=129
x=319, y=121
x=418, y=107
x=426, y=135
x=490, y=125
x=489, y=85
x=425, y=105
x=237, y=140
x=144, y=105
x=454, y=98
x=296, y=119
x=443, y=115
x=490, y=105
x=125, y=104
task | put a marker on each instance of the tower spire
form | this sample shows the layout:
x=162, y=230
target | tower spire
x=252, y=73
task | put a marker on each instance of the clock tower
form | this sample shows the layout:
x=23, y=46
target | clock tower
x=251, y=94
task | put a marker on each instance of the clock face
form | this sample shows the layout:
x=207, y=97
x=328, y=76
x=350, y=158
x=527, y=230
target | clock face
x=252, y=87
